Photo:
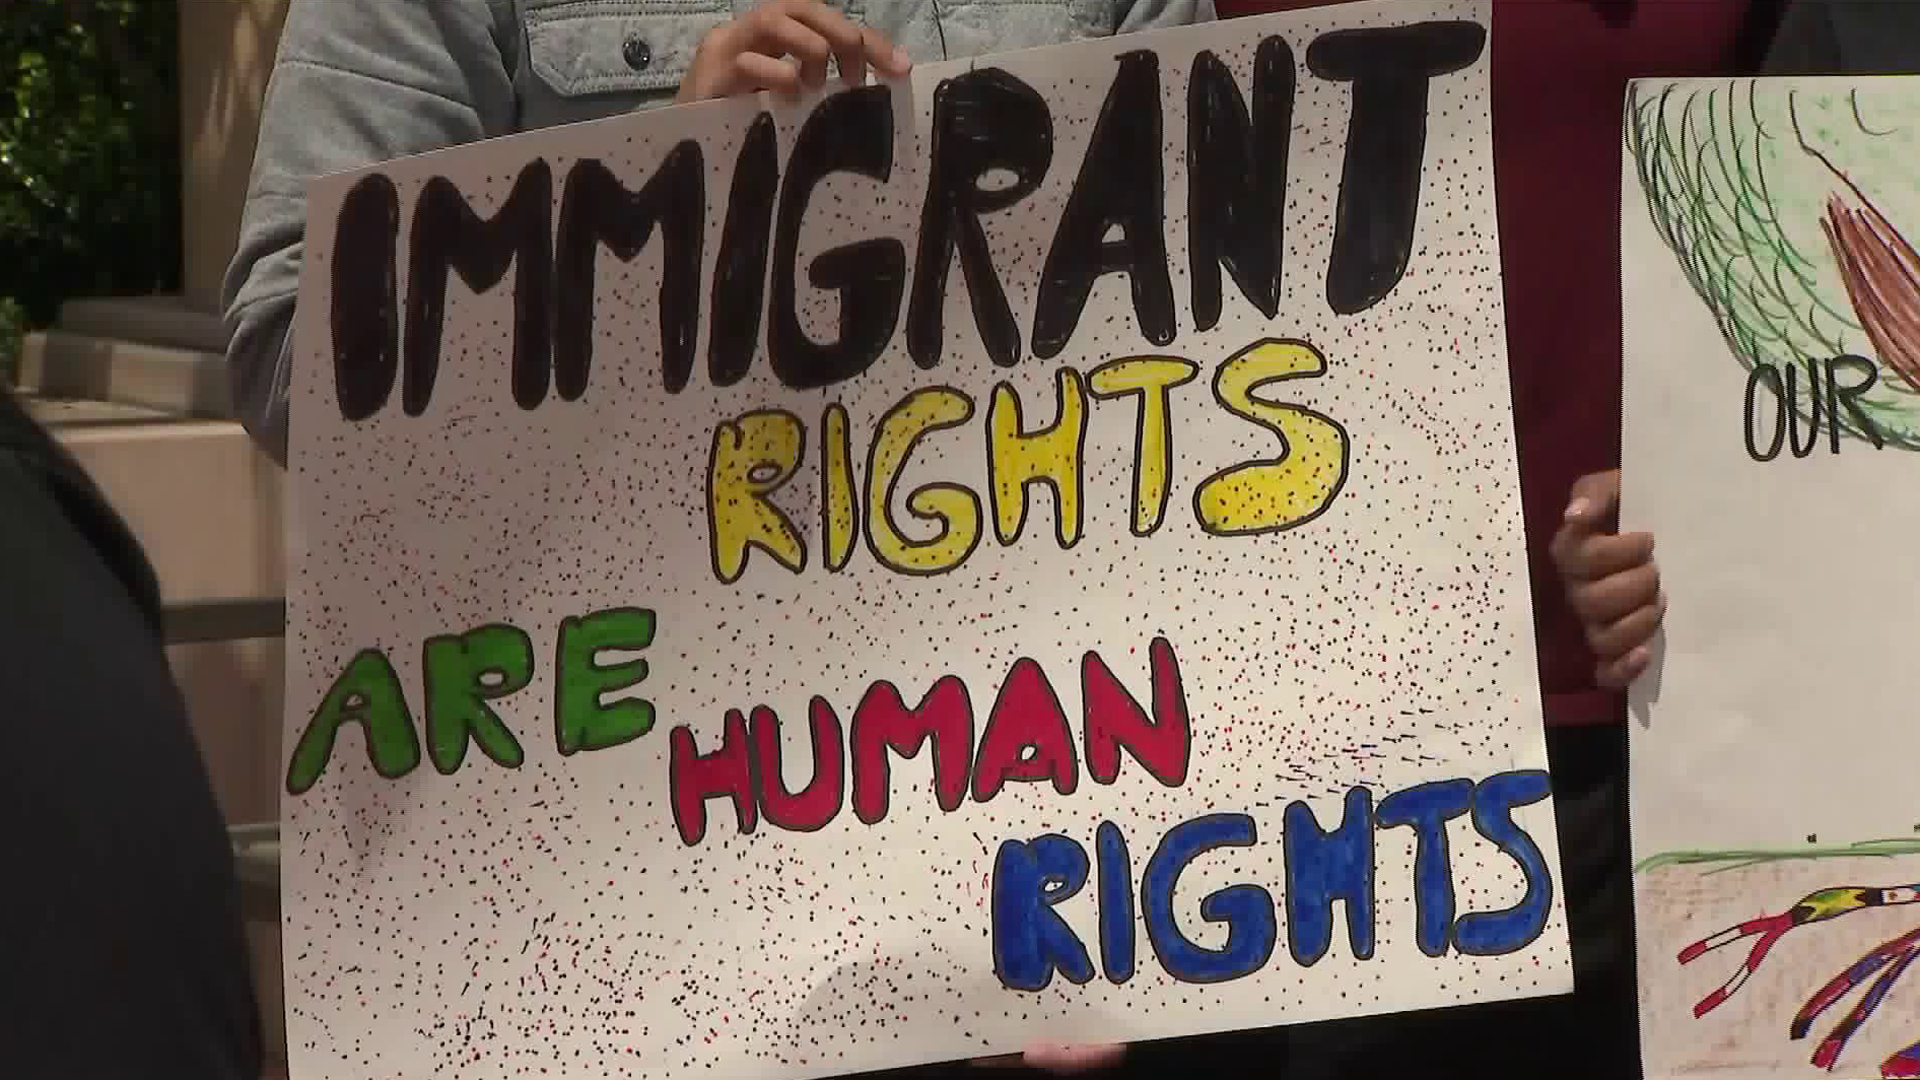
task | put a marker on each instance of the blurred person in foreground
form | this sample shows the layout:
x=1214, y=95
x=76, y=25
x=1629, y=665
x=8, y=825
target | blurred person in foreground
x=126, y=957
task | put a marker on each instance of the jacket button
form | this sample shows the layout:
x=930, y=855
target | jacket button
x=636, y=53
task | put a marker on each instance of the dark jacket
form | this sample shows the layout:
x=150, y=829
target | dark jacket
x=125, y=958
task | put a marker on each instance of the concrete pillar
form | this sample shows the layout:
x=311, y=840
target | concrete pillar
x=226, y=54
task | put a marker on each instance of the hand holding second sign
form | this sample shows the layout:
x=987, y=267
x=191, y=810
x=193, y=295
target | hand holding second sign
x=1611, y=581
x=784, y=46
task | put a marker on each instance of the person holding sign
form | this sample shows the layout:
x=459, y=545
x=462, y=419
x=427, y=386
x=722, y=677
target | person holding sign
x=357, y=82
x=1559, y=77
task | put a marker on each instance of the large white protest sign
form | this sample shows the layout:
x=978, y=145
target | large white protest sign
x=1772, y=416
x=1030, y=553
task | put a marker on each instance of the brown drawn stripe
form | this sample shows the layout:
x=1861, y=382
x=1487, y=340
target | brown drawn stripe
x=1882, y=275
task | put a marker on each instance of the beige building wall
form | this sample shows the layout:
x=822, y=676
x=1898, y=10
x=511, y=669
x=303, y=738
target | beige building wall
x=226, y=54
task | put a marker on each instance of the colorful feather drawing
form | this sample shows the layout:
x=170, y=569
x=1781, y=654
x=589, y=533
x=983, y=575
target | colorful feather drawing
x=1888, y=960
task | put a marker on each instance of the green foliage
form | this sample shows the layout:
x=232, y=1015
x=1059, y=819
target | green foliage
x=13, y=324
x=89, y=152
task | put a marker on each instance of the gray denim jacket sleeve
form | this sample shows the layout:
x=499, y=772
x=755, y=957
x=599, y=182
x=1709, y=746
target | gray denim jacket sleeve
x=355, y=82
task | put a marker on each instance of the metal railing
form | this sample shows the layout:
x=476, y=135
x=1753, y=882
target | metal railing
x=225, y=620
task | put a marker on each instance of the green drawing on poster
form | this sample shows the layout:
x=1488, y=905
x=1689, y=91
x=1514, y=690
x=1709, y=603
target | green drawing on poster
x=1771, y=196
x=1723, y=861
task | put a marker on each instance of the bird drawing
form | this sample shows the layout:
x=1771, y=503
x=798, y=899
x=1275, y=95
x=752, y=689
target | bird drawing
x=1760, y=187
x=1888, y=960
